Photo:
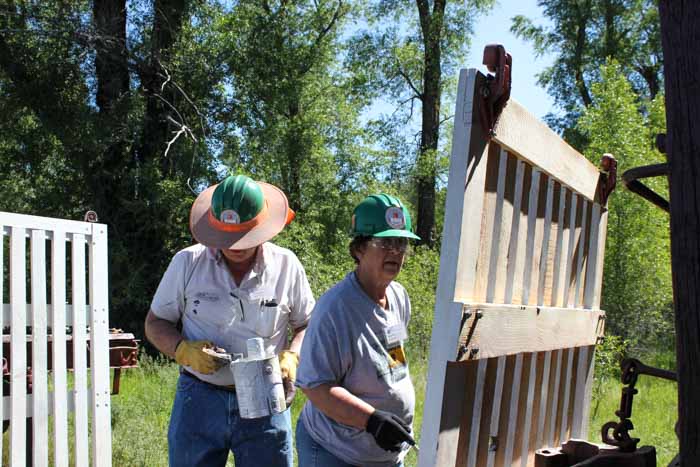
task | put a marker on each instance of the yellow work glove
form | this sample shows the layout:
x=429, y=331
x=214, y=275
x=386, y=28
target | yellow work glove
x=289, y=361
x=191, y=354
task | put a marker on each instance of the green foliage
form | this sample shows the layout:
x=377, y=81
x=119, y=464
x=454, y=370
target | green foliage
x=582, y=35
x=637, y=293
x=419, y=276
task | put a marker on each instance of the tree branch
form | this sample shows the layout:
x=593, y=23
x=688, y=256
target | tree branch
x=405, y=76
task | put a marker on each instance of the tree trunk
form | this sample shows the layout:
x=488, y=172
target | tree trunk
x=168, y=16
x=112, y=76
x=680, y=28
x=111, y=66
x=431, y=26
x=584, y=12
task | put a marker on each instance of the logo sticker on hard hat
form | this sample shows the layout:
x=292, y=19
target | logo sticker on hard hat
x=395, y=218
x=229, y=216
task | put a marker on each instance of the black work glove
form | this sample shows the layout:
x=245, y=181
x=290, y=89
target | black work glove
x=389, y=431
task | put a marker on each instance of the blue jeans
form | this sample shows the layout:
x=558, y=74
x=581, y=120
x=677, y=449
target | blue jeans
x=205, y=425
x=312, y=454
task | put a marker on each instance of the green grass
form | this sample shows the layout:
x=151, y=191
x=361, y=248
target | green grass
x=140, y=413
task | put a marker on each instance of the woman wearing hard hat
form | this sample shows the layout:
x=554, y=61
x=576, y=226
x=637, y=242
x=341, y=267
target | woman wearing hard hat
x=353, y=368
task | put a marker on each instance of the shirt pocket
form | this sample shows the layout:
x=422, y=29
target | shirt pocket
x=215, y=309
x=270, y=318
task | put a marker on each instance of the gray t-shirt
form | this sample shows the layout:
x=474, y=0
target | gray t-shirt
x=354, y=343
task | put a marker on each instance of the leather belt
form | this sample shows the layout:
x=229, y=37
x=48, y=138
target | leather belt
x=228, y=388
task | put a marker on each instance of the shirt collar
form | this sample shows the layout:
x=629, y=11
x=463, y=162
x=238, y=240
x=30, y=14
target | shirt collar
x=214, y=254
x=260, y=261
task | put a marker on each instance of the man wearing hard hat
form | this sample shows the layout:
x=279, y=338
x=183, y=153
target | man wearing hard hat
x=232, y=286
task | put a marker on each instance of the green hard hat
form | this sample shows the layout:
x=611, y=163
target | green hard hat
x=382, y=215
x=237, y=199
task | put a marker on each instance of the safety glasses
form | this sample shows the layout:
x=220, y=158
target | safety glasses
x=398, y=244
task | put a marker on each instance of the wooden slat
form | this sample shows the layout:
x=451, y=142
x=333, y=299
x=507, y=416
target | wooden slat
x=535, y=233
x=501, y=441
x=522, y=133
x=559, y=263
x=467, y=390
x=518, y=236
x=484, y=446
x=545, y=275
x=596, y=248
x=464, y=205
x=10, y=220
x=581, y=255
x=498, y=250
x=79, y=346
x=566, y=400
x=529, y=329
x=588, y=393
x=542, y=371
x=566, y=224
x=573, y=231
x=18, y=346
x=530, y=409
x=467, y=169
x=554, y=399
x=584, y=376
x=58, y=326
x=99, y=347
x=476, y=413
x=496, y=407
x=514, y=410
x=544, y=399
x=598, y=280
x=40, y=408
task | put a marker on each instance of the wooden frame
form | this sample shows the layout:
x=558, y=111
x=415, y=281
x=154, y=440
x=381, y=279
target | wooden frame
x=517, y=306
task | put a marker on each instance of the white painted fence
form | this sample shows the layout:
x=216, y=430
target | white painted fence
x=55, y=275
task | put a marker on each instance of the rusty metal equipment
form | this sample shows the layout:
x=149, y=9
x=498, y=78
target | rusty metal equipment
x=631, y=369
x=496, y=90
x=123, y=353
x=608, y=177
x=580, y=453
x=631, y=177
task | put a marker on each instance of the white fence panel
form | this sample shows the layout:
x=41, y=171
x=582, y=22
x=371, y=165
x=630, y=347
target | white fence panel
x=72, y=301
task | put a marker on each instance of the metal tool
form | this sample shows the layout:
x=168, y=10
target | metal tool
x=258, y=382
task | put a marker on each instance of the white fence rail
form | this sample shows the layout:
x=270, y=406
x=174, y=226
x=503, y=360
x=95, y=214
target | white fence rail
x=54, y=278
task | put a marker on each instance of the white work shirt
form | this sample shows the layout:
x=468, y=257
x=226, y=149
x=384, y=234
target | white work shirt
x=199, y=289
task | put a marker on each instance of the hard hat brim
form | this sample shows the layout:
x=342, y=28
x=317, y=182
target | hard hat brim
x=397, y=233
x=207, y=234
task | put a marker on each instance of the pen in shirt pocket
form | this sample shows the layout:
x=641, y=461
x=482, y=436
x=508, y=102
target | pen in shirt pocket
x=269, y=303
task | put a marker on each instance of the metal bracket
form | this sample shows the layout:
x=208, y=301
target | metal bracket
x=90, y=216
x=631, y=180
x=467, y=326
x=608, y=177
x=495, y=91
